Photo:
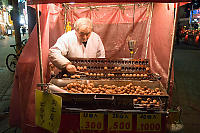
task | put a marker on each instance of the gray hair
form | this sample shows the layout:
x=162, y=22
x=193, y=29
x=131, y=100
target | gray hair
x=83, y=22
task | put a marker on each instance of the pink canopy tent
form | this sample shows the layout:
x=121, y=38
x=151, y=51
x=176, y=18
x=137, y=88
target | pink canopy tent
x=151, y=25
x=102, y=1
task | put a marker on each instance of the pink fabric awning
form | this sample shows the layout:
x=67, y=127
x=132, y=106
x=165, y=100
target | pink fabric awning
x=102, y=1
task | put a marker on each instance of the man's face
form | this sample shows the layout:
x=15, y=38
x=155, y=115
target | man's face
x=83, y=33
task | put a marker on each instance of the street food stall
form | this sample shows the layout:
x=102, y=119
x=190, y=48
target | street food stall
x=128, y=91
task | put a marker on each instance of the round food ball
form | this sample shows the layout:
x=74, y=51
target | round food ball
x=73, y=76
x=78, y=67
x=85, y=67
x=91, y=74
x=119, y=68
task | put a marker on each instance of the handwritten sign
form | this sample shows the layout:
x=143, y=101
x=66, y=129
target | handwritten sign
x=148, y=122
x=120, y=121
x=91, y=121
x=48, y=110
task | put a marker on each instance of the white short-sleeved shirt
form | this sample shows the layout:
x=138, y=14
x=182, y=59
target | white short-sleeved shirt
x=68, y=46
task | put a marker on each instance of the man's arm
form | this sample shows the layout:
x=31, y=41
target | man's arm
x=56, y=55
x=57, y=52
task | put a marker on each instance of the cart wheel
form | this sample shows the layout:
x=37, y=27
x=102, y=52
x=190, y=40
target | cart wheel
x=11, y=61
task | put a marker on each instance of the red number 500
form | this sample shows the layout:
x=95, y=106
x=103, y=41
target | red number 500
x=121, y=125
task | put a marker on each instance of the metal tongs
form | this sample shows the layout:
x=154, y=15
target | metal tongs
x=83, y=73
x=80, y=72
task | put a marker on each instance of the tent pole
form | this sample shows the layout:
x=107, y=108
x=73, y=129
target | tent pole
x=172, y=47
x=65, y=18
x=39, y=45
x=149, y=29
x=133, y=17
x=94, y=7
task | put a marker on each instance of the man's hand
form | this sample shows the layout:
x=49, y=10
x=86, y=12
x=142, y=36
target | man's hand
x=71, y=68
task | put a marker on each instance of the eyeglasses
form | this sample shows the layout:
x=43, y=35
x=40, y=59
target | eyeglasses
x=84, y=34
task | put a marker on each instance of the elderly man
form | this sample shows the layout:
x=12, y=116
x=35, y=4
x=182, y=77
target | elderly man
x=80, y=43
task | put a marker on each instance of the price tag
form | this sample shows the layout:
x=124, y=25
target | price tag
x=148, y=122
x=120, y=121
x=48, y=110
x=91, y=121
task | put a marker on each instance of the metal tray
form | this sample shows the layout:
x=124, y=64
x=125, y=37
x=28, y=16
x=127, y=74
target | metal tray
x=107, y=101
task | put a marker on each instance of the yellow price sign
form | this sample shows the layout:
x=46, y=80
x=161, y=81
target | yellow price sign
x=91, y=121
x=148, y=122
x=48, y=110
x=120, y=121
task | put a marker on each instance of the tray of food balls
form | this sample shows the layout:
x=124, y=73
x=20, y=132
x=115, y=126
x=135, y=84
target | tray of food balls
x=113, y=94
x=113, y=69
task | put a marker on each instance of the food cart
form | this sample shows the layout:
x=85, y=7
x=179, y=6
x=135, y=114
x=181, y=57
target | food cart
x=116, y=111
